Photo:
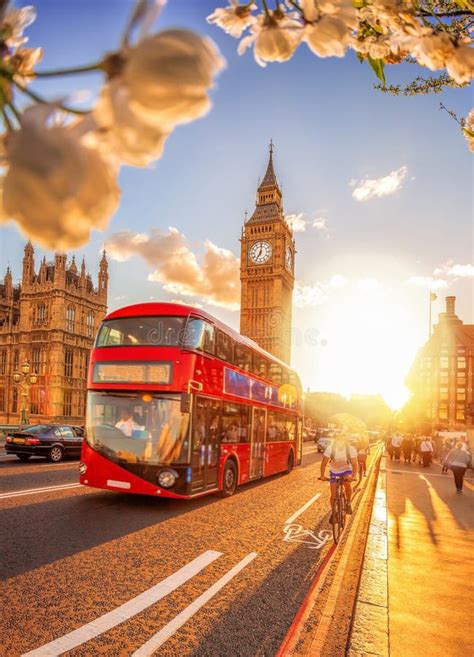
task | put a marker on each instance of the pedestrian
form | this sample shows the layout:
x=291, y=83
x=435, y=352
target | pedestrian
x=426, y=449
x=447, y=447
x=407, y=448
x=458, y=460
x=388, y=446
x=362, y=447
x=396, y=444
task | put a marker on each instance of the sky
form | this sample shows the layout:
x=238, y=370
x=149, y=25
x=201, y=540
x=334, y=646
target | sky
x=379, y=188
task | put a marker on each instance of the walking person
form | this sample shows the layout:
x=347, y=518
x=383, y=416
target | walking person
x=407, y=448
x=396, y=444
x=362, y=447
x=426, y=448
x=458, y=460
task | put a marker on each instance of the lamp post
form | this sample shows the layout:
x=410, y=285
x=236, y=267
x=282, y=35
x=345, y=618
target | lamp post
x=24, y=380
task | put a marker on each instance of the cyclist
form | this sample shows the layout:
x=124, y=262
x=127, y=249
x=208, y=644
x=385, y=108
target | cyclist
x=342, y=459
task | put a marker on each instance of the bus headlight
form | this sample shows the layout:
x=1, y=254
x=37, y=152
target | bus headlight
x=167, y=478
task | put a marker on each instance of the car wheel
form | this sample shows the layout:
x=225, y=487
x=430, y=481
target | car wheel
x=291, y=462
x=229, y=479
x=23, y=457
x=56, y=454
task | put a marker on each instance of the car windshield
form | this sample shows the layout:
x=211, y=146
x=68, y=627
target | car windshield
x=37, y=428
x=138, y=428
x=137, y=331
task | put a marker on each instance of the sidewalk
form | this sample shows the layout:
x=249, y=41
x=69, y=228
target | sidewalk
x=415, y=596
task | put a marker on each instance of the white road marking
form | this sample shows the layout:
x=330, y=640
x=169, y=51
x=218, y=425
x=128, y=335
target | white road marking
x=423, y=474
x=37, y=491
x=173, y=626
x=302, y=509
x=125, y=611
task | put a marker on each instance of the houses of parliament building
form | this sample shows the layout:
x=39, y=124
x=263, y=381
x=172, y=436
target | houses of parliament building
x=49, y=320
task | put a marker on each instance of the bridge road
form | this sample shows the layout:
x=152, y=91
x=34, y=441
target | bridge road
x=101, y=573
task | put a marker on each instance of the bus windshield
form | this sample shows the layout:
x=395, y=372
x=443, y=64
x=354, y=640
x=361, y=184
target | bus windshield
x=138, y=428
x=135, y=331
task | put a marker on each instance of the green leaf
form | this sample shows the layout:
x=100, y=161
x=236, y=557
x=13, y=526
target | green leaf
x=378, y=66
x=360, y=57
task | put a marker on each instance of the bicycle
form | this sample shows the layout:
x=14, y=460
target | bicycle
x=338, y=506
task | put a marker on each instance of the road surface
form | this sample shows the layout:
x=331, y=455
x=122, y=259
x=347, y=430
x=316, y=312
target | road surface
x=89, y=572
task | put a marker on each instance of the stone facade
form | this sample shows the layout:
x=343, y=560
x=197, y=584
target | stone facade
x=442, y=376
x=267, y=270
x=50, y=320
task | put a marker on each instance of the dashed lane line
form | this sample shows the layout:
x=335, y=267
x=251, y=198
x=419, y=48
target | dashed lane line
x=302, y=509
x=37, y=491
x=178, y=621
x=127, y=610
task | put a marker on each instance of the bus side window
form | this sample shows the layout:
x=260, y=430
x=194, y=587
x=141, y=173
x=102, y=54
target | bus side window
x=275, y=374
x=224, y=347
x=209, y=338
x=242, y=357
x=259, y=365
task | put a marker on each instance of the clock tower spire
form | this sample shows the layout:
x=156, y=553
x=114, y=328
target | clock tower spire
x=267, y=270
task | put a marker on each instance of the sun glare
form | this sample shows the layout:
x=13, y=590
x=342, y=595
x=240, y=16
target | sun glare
x=371, y=341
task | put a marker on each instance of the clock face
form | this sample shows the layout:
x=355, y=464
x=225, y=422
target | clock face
x=260, y=252
x=288, y=258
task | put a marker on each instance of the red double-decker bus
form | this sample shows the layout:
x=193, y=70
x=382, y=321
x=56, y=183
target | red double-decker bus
x=180, y=405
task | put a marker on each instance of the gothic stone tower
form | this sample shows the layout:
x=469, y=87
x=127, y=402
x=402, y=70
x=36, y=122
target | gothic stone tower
x=49, y=320
x=267, y=270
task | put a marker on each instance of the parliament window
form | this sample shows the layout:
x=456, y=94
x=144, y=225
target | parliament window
x=2, y=400
x=15, y=400
x=68, y=363
x=41, y=313
x=90, y=322
x=3, y=361
x=16, y=360
x=67, y=402
x=38, y=360
x=461, y=363
x=444, y=362
x=443, y=394
x=460, y=414
x=461, y=394
x=70, y=319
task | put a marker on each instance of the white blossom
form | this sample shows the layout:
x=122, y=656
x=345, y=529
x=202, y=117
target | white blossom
x=167, y=77
x=55, y=188
x=275, y=39
x=328, y=37
x=23, y=63
x=461, y=63
x=233, y=19
x=469, y=130
x=15, y=22
x=122, y=134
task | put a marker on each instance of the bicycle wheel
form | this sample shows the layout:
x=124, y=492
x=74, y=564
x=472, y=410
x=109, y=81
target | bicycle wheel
x=342, y=508
x=336, y=524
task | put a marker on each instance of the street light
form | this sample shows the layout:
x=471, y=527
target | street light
x=24, y=380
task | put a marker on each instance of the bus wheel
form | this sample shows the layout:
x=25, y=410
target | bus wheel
x=229, y=479
x=291, y=462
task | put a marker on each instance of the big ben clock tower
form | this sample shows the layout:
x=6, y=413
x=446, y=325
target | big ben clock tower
x=267, y=270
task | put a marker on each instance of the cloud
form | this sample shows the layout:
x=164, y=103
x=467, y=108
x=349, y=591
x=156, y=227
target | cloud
x=368, y=188
x=297, y=223
x=320, y=223
x=308, y=295
x=337, y=281
x=215, y=279
x=458, y=271
x=428, y=282
x=368, y=284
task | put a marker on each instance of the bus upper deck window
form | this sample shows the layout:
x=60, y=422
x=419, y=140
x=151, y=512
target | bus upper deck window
x=199, y=334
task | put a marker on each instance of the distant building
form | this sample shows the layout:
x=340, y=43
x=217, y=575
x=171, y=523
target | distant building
x=267, y=270
x=441, y=377
x=50, y=320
